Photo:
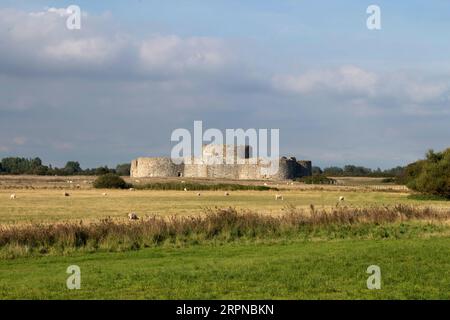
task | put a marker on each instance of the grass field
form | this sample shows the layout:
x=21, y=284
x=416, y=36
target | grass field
x=410, y=269
x=414, y=256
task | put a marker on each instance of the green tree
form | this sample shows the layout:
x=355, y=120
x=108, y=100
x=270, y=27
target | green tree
x=123, y=169
x=430, y=176
x=72, y=168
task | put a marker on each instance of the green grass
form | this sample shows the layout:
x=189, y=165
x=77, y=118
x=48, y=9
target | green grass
x=410, y=269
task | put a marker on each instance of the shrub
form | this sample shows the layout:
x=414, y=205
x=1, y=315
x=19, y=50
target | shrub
x=317, y=179
x=432, y=175
x=111, y=181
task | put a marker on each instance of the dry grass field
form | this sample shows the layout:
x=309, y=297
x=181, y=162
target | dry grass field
x=41, y=199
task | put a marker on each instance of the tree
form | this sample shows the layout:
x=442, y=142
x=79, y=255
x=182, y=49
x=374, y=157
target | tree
x=72, y=168
x=316, y=171
x=123, y=169
x=430, y=176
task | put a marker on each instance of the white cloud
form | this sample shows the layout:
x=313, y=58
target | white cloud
x=374, y=92
x=178, y=54
x=40, y=42
x=343, y=80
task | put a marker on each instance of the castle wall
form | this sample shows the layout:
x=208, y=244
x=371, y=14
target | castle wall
x=246, y=169
x=155, y=167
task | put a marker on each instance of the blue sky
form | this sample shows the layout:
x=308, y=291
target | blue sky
x=115, y=90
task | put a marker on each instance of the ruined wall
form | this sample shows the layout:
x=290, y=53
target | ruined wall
x=155, y=167
x=305, y=168
x=246, y=169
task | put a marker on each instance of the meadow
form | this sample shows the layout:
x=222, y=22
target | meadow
x=246, y=245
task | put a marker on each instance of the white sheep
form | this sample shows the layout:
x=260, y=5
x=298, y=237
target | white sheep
x=104, y=194
x=341, y=198
x=13, y=196
x=227, y=194
x=131, y=189
x=133, y=216
x=199, y=194
x=185, y=189
x=278, y=197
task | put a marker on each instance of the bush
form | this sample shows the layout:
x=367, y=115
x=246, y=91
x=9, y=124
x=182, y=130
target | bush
x=317, y=179
x=430, y=176
x=111, y=181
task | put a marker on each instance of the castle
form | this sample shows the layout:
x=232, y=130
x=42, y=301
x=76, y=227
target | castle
x=213, y=165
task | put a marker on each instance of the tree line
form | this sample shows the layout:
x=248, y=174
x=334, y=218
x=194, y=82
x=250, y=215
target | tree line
x=358, y=171
x=17, y=165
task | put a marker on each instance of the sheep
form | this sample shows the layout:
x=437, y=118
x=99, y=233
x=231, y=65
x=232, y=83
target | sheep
x=78, y=186
x=199, y=194
x=185, y=189
x=265, y=183
x=278, y=197
x=133, y=216
x=66, y=194
x=131, y=189
x=13, y=196
x=227, y=194
x=104, y=194
x=341, y=198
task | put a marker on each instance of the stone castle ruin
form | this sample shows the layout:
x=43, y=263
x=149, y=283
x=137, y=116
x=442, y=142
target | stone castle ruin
x=213, y=165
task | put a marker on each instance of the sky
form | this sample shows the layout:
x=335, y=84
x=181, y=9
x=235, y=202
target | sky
x=137, y=70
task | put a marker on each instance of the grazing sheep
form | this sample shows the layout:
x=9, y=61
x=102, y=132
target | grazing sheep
x=185, y=189
x=265, y=183
x=66, y=194
x=278, y=197
x=341, y=198
x=199, y=194
x=133, y=216
x=131, y=189
x=13, y=196
x=227, y=194
x=104, y=194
